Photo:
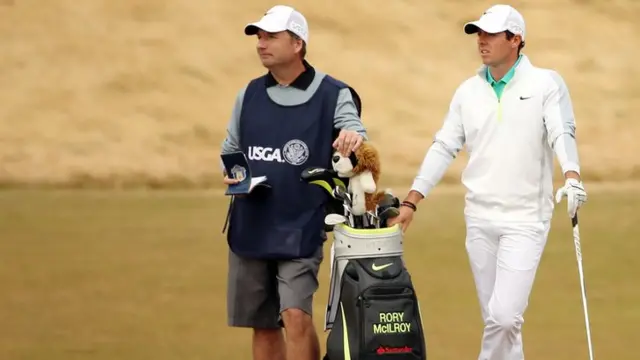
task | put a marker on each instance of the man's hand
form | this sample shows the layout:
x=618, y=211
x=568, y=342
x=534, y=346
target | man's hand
x=406, y=211
x=228, y=181
x=576, y=196
x=404, y=218
x=347, y=141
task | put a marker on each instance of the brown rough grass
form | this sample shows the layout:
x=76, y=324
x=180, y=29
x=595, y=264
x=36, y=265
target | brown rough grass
x=138, y=275
x=124, y=92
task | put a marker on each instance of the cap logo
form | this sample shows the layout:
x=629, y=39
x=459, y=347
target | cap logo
x=299, y=29
x=514, y=28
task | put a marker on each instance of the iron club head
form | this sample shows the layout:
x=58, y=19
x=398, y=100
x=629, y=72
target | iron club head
x=386, y=214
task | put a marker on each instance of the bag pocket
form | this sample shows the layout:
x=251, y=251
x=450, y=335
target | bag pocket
x=390, y=323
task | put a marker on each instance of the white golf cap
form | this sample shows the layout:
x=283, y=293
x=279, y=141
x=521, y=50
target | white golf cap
x=496, y=19
x=281, y=18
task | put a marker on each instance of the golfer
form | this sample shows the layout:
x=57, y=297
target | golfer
x=512, y=116
x=291, y=118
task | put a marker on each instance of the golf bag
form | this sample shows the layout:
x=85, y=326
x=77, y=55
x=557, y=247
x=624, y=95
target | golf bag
x=373, y=309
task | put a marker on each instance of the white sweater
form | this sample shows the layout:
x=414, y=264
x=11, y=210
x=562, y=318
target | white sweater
x=510, y=144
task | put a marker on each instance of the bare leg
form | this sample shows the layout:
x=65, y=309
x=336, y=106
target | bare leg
x=302, y=339
x=268, y=344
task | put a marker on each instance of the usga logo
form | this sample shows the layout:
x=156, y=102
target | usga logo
x=294, y=152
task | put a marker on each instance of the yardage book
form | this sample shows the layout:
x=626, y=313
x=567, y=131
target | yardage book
x=237, y=167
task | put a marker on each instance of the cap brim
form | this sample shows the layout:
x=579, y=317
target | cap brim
x=253, y=28
x=475, y=26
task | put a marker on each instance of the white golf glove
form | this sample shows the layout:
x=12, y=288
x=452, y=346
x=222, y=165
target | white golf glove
x=576, y=196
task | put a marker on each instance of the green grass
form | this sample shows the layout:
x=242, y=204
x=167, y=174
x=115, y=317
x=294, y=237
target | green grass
x=119, y=275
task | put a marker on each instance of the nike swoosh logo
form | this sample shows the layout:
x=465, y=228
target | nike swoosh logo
x=313, y=171
x=381, y=267
x=525, y=98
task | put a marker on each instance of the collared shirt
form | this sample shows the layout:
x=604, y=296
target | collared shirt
x=498, y=86
x=302, y=82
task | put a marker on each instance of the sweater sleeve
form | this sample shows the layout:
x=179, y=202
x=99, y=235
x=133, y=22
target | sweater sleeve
x=446, y=145
x=560, y=123
x=231, y=142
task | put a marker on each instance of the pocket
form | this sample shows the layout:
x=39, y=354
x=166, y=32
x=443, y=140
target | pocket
x=390, y=323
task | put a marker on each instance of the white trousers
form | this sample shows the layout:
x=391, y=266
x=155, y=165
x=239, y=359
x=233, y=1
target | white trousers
x=504, y=258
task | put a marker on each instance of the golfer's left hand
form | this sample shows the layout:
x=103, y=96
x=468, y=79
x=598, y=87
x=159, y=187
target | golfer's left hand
x=576, y=196
x=348, y=141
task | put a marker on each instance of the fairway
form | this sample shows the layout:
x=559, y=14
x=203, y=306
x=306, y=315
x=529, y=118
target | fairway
x=142, y=275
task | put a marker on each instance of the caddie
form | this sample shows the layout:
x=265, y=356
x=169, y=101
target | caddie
x=512, y=116
x=291, y=118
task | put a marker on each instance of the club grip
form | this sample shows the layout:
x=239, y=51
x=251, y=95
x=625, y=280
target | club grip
x=574, y=220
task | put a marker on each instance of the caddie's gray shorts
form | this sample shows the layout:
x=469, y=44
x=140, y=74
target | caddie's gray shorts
x=259, y=290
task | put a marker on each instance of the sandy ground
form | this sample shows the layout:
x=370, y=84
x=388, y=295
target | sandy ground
x=118, y=92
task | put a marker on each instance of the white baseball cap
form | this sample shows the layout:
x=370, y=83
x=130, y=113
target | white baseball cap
x=281, y=18
x=496, y=19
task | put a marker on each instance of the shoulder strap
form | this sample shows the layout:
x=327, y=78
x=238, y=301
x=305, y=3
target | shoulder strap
x=354, y=94
x=356, y=100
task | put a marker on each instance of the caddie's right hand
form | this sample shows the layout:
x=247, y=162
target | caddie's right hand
x=404, y=218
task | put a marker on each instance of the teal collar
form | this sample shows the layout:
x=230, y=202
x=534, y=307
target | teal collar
x=507, y=77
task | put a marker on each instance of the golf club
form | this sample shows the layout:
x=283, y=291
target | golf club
x=576, y=242
x=373, y=220
x=357, y=221
x=325, y=178
x=387, y=202
x=328, y=180
x=334, y=219
x=386, y=214
x=340, y=193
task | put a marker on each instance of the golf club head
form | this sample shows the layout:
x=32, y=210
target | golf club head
x=341, y=193
x=388, y=200
x=387, y=214
x=323, y=177
x=334, y=219
x=327, y=179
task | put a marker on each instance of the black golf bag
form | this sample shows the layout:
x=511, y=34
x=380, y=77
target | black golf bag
x=376, y=314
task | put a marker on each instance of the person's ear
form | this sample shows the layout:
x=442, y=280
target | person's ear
x=297, y=44
x=516, y=43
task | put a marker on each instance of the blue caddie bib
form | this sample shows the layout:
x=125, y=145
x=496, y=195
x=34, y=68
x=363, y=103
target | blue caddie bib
x=287, y=220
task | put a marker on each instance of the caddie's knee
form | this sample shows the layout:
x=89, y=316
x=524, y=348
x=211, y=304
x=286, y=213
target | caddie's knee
x=296, y=321
x=269, y=336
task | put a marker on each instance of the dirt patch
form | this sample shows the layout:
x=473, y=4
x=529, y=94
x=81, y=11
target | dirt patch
x=138, y=92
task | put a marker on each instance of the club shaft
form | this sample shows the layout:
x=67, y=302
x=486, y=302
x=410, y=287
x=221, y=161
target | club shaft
x=576, y=241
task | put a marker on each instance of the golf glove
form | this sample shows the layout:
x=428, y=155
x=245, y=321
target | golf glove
x=576, y=196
